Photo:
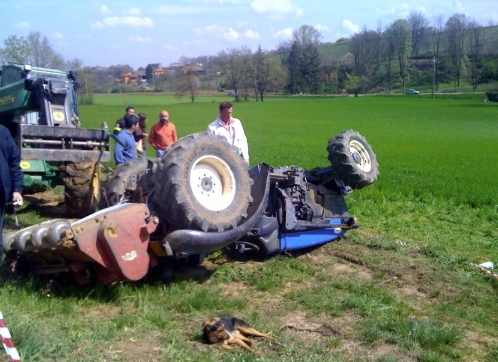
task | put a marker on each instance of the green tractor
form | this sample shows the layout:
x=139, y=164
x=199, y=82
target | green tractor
x=40, y=108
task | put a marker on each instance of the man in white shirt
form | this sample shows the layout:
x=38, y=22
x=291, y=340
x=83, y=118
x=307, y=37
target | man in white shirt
x=230, y=128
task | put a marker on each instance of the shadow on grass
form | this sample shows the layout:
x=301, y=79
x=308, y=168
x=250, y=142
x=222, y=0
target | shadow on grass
x=64, y=285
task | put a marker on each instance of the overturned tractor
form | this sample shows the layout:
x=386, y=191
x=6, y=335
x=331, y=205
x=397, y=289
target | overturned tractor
x=198, y=198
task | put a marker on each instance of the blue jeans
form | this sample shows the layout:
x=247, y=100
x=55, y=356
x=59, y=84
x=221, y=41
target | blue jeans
x=159, y=153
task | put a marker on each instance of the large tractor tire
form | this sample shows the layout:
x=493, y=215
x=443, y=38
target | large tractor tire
x=81, y=181
x=352, y=159
x=123, y=184
x=201, y=183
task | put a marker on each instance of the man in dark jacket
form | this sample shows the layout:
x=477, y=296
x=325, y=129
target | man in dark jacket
x=120, y=123
x=10, y=177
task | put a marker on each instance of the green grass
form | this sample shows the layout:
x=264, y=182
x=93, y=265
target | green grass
x=436, y=156
x=363, y=298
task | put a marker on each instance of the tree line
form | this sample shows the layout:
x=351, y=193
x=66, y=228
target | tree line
x=408, y=52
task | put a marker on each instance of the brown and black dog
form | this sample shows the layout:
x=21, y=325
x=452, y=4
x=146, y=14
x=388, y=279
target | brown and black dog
x=231, y=330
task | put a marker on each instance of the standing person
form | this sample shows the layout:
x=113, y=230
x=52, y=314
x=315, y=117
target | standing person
x=162, y=134
x=120, y=122
x=10, y=177
x=230, y=128
x=126, y=149
x=140, y=133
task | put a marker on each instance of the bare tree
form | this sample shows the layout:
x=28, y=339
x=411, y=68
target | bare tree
x=399, y=38
x=41, y=53
x=366, y=49
x=306, y=35
x=437, y=40
x=456, y=27
x=74, y=64
x=232, y=63
x=418, y=25
x=477, y=37
x=247, y=75
x=267, y=73
x=187, y=81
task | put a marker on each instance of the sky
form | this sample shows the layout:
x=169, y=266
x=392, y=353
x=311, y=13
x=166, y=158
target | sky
x=133, y=32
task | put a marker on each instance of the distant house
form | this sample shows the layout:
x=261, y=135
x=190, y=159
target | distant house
x=159, y=71
x=193, y=69
x=134, y=78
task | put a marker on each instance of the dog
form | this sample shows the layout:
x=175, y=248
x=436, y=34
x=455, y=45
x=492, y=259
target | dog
x=231, y=330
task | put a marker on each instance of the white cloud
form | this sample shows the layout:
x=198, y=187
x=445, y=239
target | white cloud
x=132, y=21
x=103, y=9
x=251, y=35
x=321, y=27
x=276, y=8
x=168, y=47
x=176, y=10
x=284, y=33
x=231, y=35
x=352, y=28
x=132, y=12
x=23, y=25
x=139, y=39
x=210, y=29
x=57, y=35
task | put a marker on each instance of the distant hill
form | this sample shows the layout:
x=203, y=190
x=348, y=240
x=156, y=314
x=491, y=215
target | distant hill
x=334, y=51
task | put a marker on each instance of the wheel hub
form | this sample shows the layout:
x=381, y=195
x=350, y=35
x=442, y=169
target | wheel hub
x=360, y=156
x=206, y=184
x=356, y=157
x=212, y=183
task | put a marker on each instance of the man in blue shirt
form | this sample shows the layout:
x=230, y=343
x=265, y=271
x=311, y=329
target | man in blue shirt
x=126, y=149
x=11, y=177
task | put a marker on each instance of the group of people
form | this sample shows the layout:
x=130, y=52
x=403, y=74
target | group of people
x=131, y=133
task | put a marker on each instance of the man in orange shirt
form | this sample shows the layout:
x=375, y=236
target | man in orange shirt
x=162, y=134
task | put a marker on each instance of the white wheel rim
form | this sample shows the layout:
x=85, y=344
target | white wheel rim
x=212, y=183
x=360, y=156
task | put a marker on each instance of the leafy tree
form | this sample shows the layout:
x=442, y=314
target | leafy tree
x=15, y=50
x=304, y=61
x=294, y=85
x=149, y=73
x=354, y=83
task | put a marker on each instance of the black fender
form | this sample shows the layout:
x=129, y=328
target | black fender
x=197, y=242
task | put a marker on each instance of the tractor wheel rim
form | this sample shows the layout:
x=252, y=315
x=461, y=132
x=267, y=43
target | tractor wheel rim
x=360, y=156
x=212, y=183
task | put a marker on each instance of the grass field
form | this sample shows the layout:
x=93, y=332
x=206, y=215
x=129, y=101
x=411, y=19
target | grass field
x=363, y=298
